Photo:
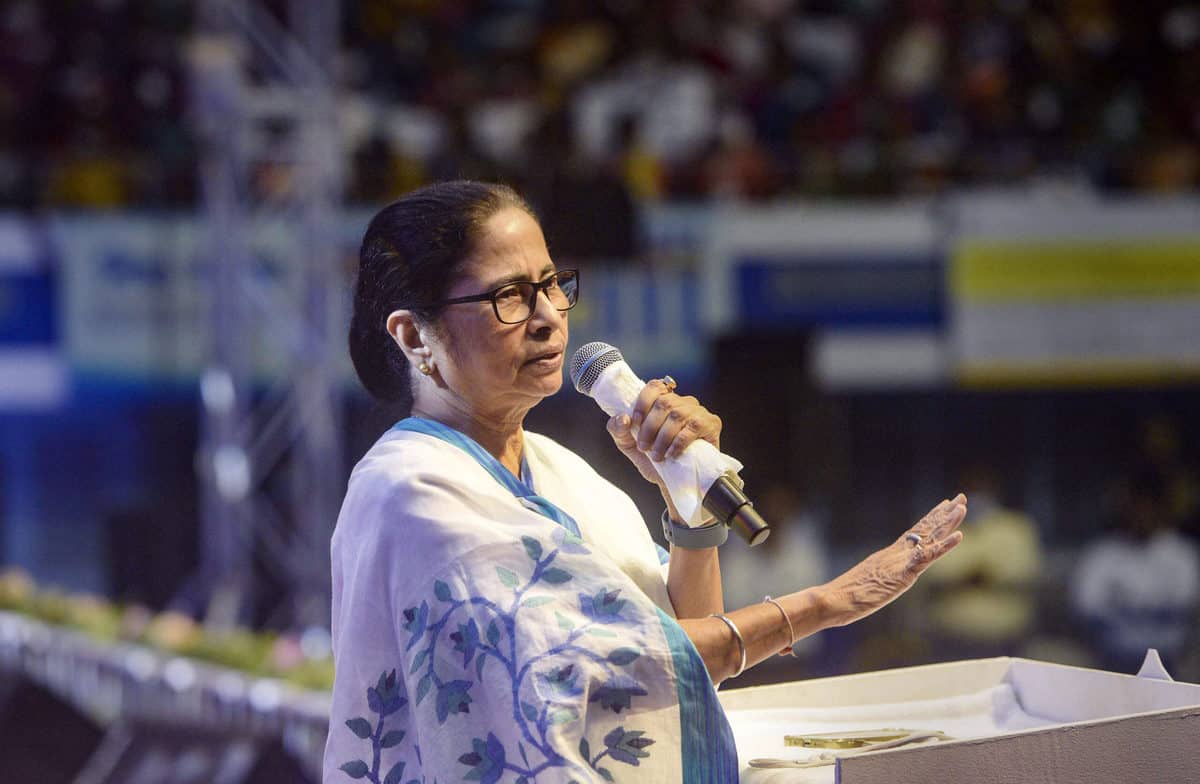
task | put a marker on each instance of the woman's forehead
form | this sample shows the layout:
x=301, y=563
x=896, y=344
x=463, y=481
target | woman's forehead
x=510, y=247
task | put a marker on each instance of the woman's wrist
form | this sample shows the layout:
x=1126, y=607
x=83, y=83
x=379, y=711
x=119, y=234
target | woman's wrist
x=830, y=605
x=672, y=512
x=703, y=537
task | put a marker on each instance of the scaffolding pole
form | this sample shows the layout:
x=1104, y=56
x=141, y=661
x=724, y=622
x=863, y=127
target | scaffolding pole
x=270, y=460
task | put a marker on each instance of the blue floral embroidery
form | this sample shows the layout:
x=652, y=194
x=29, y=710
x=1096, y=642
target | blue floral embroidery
x=488, y=758
x=383, y=699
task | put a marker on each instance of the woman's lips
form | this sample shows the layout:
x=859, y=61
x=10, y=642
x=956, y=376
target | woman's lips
x=547, y=360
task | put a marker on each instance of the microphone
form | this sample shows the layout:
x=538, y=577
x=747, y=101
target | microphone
x=700, y=478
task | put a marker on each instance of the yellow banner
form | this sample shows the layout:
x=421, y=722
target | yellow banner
x=1059, y=269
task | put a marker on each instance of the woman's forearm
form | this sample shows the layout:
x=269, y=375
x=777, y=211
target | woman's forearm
x=694, y=582
x=763, y=628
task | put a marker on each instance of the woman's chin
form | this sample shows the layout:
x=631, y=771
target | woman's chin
x=545, y=384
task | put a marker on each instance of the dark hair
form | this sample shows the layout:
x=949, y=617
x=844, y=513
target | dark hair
x=410, y=254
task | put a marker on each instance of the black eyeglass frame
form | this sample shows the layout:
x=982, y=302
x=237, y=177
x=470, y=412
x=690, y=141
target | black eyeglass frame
x=538, y=288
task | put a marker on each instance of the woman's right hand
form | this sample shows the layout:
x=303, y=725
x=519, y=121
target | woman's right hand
x=887, y=573
x=663, y=424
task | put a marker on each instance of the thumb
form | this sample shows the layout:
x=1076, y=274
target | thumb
x=618, y=428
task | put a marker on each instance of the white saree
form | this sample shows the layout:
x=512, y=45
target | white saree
x=484, y=636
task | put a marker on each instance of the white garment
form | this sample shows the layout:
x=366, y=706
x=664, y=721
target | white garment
x=474, y=635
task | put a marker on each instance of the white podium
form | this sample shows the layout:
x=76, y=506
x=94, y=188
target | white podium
x=1012, y=721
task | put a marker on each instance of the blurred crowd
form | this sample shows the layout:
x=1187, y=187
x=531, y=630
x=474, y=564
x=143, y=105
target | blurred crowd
x=750, y=100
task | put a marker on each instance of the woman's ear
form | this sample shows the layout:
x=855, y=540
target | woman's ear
x=405, y=331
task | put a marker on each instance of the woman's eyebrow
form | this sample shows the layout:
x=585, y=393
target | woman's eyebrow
x=519, y=278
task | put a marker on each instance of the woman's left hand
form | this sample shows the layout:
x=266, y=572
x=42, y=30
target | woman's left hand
x=662, y=425
x=882, y=576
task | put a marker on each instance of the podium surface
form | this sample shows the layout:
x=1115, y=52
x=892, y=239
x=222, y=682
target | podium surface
x=1009, y=720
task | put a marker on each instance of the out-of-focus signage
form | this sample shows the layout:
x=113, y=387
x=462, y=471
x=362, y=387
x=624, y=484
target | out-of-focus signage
x=840, y=290
x=865, y=281
x=1059, y=301
x=32, y=372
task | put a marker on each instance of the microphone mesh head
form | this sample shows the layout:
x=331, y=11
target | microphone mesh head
x=589, y=361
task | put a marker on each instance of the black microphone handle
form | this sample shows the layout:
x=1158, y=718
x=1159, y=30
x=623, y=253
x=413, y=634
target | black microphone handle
x=726, y=502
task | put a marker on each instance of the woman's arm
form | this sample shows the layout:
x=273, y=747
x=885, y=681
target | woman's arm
x=694, y=582
x=855, y=594
x=662, y=425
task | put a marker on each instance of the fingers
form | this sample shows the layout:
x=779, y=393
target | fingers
x=619, y=428
x=925, y=554
x=942, y=520
x=664, y=423
x=644, y=417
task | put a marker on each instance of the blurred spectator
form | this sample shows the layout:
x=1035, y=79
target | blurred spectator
x=826, y=99
x=793, y=557
x=1161, y=445
x=1139, y=586
x=983, y=595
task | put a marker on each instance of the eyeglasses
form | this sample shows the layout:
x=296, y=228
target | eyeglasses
x=515, y=303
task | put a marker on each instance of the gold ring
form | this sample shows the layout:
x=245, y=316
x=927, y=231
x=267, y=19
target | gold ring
x=670, y=382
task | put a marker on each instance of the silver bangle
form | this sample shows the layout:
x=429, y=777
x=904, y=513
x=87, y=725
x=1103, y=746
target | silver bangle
x=737, y=635
x=786, y=619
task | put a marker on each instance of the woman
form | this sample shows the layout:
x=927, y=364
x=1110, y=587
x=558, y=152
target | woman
x=499, y=610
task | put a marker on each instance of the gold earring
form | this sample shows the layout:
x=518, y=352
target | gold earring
x=424, y=368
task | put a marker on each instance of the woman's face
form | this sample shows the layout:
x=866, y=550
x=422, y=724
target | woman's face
x=502, y=370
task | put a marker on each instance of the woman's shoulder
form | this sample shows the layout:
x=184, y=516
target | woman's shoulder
x=419, y=491
x=553, y=454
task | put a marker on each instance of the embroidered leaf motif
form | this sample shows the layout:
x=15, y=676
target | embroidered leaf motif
x=626, y=746
x=423, y=687
x=452, y=698
x=392, y=738
x=537, y=601
x=617, y=693
x=556, y=576
x=466, y=640
x=360, y=727
x=507, y=576
x=561, y=680
x=529, y=711
x=605, y=774
x=393, y=776
x=415, y=620
x=442, y=591
x=564, y=623
x=384, y=697
x=596, y=631
x=563, y=715
x=623, y=656
x=356, y=769
x=486, y=759
x=479, y=662
x=493, y=634
x=418, y=660
x=569, y=542
x=585, y=749
x=604, y=607
x=533, y=547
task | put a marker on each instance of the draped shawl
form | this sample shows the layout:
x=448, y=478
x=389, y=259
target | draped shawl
x=500, y=629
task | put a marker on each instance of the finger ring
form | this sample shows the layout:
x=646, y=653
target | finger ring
x=915, y=538
x=670, y=382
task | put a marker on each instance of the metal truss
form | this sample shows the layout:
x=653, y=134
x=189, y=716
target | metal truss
x=270, y=460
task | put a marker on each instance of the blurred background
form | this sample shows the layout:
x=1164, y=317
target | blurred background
x=902, y=248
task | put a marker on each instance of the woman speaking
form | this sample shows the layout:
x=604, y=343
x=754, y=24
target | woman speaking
x=500, y=612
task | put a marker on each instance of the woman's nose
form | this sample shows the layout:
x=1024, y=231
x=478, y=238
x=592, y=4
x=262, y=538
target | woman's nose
x=544, y=310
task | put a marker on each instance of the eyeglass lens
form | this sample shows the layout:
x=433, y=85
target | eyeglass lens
x=515, y=303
